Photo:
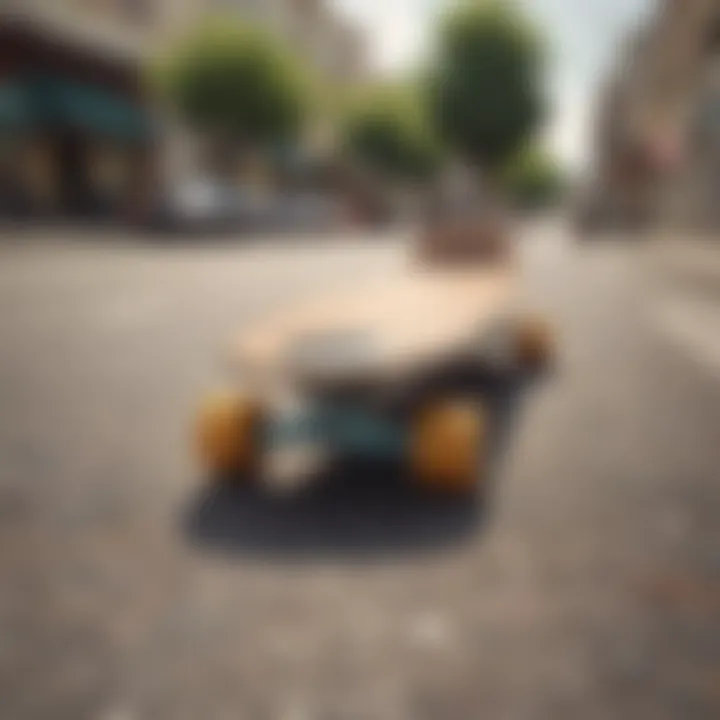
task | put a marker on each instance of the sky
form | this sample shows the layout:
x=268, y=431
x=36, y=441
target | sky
x=584, y=35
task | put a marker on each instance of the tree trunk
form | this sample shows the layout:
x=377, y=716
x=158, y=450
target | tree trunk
x=223, y=158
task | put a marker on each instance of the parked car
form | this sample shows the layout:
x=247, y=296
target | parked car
x=303, y=211
x=206, y=206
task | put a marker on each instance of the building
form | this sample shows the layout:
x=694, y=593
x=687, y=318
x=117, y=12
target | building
x=313, y=28
x=658, y=135
x=77, y=131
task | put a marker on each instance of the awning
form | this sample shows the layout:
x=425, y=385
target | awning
x=55, y=101
x=15, y=109
x=92, y=109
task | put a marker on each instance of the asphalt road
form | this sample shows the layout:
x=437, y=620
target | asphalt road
x=588, y=588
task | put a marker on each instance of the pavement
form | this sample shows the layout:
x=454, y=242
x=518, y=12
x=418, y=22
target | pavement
x=588, y=587
x=688, y=258
x=686, y=271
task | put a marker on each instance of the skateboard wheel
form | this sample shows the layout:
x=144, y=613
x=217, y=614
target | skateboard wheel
x=227, y=433
x=449, y=446
x=534, y=342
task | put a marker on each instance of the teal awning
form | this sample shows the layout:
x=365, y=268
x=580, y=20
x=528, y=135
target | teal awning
x=51, y=101
x=15, y=108
x=92, y=109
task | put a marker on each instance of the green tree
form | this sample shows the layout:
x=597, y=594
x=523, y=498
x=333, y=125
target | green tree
x=236, y=84
x=533, y=179
x=485, y=86
x=387, y=131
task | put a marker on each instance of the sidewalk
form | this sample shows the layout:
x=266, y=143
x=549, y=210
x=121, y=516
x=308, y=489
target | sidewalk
x=690, y=262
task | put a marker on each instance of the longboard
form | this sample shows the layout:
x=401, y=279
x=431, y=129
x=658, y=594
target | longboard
x=399, y=332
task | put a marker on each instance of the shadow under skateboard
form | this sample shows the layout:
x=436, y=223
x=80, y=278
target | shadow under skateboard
x=357, y=508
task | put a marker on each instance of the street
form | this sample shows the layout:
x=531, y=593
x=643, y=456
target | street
x=589, y=587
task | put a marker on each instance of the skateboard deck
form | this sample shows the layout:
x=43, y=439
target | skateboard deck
x=380, y=330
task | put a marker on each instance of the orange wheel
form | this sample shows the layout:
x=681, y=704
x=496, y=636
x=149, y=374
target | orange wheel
x=228, y=433
x=449, y=446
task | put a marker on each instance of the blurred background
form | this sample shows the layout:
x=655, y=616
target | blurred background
x=102, y=116
x=173, y=170
x=147, y=113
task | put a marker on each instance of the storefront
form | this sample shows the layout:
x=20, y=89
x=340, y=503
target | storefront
x=76, y=137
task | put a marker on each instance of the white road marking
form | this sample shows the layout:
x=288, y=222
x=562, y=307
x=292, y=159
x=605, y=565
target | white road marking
x=694, y=325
